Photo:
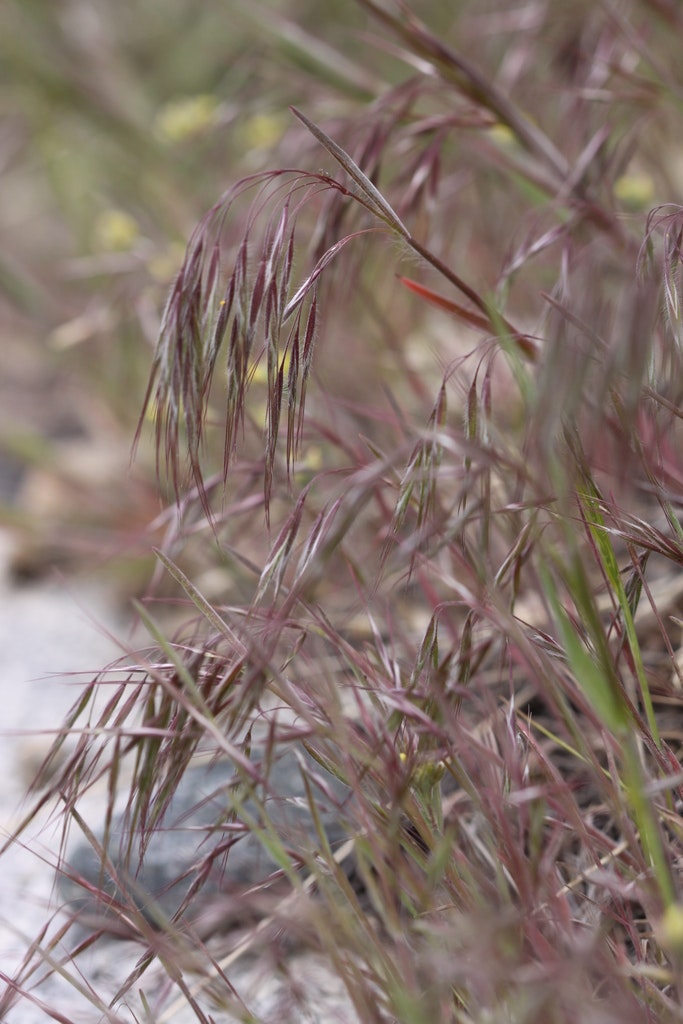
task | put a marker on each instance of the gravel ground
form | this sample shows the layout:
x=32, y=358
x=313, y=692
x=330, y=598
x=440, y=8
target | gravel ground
x=49, y=644
x=53, y=637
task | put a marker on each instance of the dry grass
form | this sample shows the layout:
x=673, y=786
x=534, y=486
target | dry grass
x=438, y=523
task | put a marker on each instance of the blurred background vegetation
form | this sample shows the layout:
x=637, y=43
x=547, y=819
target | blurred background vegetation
x=120, y=124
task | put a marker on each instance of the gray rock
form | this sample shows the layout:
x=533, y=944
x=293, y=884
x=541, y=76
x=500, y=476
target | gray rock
x=206, y=838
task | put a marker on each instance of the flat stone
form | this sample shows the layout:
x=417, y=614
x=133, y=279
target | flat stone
x=208, y=831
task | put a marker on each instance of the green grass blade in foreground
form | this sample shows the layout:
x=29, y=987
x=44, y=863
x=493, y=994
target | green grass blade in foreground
x=596, y=524
x=600, y=688
x=646, y=819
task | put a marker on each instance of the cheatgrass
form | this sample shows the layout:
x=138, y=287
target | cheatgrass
x=416, y=400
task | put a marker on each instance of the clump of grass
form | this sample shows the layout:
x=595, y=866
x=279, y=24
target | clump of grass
x=452, y=585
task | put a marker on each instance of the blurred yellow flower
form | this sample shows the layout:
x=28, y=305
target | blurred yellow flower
x=115, y=231
x=262, y=131
x=670, y=929
x=182, y=118
x=636, y=191
x=502, y=135
x=312, y=458
x=259, y=370
x=164, y=265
